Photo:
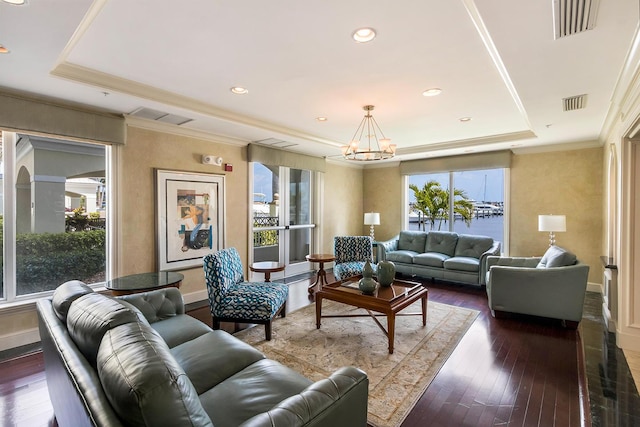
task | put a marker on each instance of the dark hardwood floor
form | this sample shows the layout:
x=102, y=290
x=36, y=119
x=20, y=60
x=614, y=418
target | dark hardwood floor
x=519, y=371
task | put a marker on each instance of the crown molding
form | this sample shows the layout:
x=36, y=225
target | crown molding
x=568, y=146
x=466, y=143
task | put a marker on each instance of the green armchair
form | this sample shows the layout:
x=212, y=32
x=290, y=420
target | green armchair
x=552, y=286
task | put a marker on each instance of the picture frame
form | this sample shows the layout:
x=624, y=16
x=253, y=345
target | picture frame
x=190, y=217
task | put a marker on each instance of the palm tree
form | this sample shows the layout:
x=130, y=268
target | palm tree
x=433, y=202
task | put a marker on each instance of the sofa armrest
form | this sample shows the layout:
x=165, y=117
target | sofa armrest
x=157, y=305
x=492, y=251
x=338, y=401
x=386, y=246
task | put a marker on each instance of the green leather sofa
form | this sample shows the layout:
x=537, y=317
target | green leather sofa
x=552, y=286
x=139, y=360
x=440, y=255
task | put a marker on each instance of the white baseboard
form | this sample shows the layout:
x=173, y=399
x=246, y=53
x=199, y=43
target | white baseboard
x=17, y=339
x=594, y=287
x=195, y=296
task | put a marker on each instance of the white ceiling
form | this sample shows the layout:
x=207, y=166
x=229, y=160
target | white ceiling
x=496, y=61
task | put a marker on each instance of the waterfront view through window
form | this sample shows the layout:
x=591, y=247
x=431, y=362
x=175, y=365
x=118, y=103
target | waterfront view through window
x=478, y=202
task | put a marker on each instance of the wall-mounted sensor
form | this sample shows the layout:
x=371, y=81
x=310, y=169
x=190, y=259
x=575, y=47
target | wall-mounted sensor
x=210, y=159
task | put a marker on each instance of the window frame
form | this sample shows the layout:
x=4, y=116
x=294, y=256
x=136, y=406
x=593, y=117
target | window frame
x=10, y=301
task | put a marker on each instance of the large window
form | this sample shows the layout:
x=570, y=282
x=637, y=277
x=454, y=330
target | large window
x=53, y=204
x=474, y=199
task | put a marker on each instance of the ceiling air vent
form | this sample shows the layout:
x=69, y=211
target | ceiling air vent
x=160, y=116
x=574, y=103
x=573, y=16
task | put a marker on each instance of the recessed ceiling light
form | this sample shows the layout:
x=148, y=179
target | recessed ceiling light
x=16, y=2
x=465, y=119
x=435, y=91
x=3, y=49
x=239, y=90
x=321, y=119
x=363, y=35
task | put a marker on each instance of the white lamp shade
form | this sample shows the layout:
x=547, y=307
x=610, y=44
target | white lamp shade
x=552, y=223
x=372, y=218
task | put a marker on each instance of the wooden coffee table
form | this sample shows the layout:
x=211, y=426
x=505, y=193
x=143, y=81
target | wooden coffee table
x=385, y=301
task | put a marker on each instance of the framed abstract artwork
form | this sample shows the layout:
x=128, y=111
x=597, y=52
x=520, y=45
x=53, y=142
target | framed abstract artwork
x=190, y=215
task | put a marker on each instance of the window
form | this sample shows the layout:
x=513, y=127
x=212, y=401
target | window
x=477, y=208
x=53, y=205
x=282, y=216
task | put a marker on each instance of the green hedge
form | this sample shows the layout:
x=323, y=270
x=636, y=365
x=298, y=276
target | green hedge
x=44, y=261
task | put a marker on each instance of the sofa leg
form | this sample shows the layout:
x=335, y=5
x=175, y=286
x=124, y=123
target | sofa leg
x=267, y=330
x=570, y=324
x=499, y=314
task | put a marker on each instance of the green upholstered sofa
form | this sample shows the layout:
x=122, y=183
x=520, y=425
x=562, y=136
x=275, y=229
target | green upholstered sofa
x=552, y=286
x=440, y=255
x=140, y=360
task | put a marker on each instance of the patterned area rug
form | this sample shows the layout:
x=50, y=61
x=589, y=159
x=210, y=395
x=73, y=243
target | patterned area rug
x=396, y=381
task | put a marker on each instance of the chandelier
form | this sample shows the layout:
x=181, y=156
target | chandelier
x=381, y=149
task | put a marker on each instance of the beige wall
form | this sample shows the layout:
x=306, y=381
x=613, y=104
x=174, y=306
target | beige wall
x=147, y=150
x=342, y=210
x=383, y=193
x=564, y=182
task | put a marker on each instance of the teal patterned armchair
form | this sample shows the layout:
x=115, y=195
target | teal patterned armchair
x=351, y=253
x=231, y=299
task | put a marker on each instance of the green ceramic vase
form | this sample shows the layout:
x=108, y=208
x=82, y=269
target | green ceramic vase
x=386, y=273
x=367, y=285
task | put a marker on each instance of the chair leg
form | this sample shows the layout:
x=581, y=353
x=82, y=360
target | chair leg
x=267, y=330
x=283, y=310
x=215, y=323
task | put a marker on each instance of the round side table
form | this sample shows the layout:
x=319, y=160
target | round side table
x=321, y=278
x=144, y=282
x=266, y=267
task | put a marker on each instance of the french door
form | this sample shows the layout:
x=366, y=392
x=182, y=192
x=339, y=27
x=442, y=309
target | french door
x=282, y=217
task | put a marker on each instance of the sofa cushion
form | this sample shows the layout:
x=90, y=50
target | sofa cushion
x=180, y=329
x=443, y=242
x=143, y=382
x=431, y=259
x=462, y=263
x=67, y=293
x=472, y=246
x=255, y=389
x=91, y=316
x=206, y=368
x=412, y=241
x=556, y=256
x=402, y=256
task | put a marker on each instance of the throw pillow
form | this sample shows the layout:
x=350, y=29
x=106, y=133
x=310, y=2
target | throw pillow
x=556, y=256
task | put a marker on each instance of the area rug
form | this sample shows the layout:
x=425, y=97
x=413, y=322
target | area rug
x=396, y=381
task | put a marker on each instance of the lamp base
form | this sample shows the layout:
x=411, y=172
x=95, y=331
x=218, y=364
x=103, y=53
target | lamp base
x=371, y=232
x=552, y=239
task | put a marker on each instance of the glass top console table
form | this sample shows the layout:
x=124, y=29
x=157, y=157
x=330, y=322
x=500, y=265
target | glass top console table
x=144, y=282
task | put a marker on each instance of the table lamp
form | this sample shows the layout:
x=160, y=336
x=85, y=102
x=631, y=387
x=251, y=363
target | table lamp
x=371, y=219
x=552, y=224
